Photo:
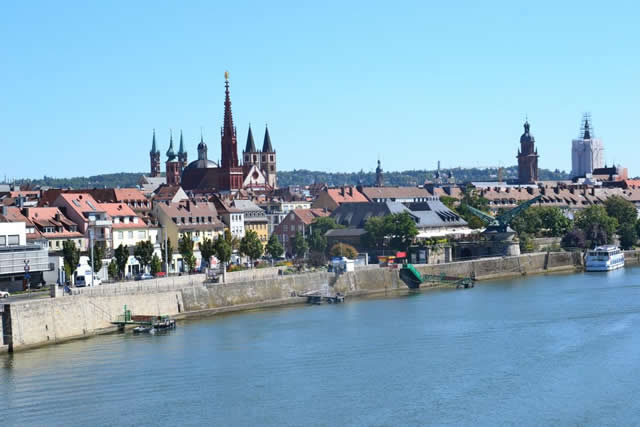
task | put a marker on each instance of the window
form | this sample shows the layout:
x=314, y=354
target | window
x=271, y=159
x=13, y=240
x=130, y=235
x=264, y=158
x=119, y=235
x=142, y=234
x=3, y=240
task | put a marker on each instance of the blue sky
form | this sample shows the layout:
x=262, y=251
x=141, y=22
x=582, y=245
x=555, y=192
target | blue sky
x=339, y=83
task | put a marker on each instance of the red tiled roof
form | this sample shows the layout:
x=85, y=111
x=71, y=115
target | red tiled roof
x=121, y=211
x=128, y=194
x=346, y=194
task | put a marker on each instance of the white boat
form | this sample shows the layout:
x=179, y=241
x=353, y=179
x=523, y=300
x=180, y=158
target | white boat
x=604, y=258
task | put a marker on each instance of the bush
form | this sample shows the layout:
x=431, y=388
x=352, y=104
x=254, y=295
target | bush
x=342, y=249
x=317, y=258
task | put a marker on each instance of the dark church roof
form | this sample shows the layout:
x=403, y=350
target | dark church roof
x=266, y=146
x=251, y=146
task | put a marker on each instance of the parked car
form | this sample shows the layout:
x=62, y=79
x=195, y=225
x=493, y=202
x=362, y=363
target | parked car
x=161, y=274
x=4, y=294
x=144, y=276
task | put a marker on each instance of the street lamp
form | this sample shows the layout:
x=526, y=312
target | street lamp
x=92, y=224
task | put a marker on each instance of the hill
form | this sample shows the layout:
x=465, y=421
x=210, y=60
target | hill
x=306, y=177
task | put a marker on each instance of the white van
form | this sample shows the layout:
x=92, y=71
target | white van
x=85, y=280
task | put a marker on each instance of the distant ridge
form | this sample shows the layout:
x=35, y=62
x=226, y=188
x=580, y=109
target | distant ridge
x=306, y=177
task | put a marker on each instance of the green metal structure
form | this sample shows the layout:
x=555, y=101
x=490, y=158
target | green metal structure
x=500, y=223
x=413, y=278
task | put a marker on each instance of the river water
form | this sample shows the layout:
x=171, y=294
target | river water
x=542, y=350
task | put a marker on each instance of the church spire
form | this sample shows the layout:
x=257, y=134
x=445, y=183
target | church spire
x=154, y=149
x=229, y=142
x=266, y=146
x=170, y=154
x=251, y=146
x=587, y=127
x=181, y=149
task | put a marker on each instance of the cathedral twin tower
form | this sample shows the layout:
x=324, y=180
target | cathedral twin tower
x=257, y=172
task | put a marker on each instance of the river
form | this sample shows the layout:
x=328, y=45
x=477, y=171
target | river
x=538, y=350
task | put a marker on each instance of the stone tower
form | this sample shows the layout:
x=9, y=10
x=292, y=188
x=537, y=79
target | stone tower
x=182, y=154
x=230, y=176
x=172, y=165
x=527, y=158
x=154, y=156
x=268, y=160
x=379, y=177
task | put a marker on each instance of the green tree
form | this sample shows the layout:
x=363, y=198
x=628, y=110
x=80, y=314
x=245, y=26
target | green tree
x=71, y=256
x=574, y=239
x=621, y=209
x=223, y=250
x=274, y=247
x=401, y=227
x=300, y=245
x=207, y=250
x=598, y=226
x=121, y=255
x=99, y=253
x=343, y=250
x=185, y=248
x=143, y=251
x=628, y=236
x=112, y=269
x=156, y=265
x=251, y=246
x=376, y=233
x=541, y=221
x=323, y=224
x=317, y=242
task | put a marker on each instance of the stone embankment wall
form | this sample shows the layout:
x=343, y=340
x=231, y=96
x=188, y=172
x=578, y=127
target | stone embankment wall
x=40, y=322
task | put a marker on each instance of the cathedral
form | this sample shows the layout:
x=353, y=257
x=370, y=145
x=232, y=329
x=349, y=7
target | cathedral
x=257, y=172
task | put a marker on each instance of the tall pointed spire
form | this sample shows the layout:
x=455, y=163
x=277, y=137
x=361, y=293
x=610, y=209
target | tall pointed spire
x=181, y=149
x=229, y=142
x=170, y=154
x=154, y=149
x=251, y=146
x=266, y=145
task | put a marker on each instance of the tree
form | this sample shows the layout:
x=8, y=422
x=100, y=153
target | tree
x=112, y=269
x=621, y=209
x=574, y=239
x=598, y=227
x=156, y=265
x=99, y=253
x=121, y=255
x=274, y=247
x=207, y=250
x=343, y=250
x=185, y=248
x=323, y=224
x=526, y=243
x=402, y=229
x=223, y=250
x=541, y=221
x=317, y=242
x=300, y=246
x=251, y=246
x=143, y=251
x=166, y=251
x=628, y=236
x=376, y=233
x=71, y=256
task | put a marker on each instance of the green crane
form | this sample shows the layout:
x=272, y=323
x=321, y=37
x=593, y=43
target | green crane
x=500, y=223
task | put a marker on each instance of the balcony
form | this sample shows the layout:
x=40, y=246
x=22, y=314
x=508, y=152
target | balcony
x=12, y=259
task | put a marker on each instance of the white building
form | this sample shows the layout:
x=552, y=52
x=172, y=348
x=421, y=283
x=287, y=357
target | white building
x=587, y=152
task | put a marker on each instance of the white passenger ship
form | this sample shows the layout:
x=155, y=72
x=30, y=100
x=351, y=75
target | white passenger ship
x=604, y=258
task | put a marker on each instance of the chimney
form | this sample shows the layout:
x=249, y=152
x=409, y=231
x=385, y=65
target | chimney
x=530, y=190
x=342, y=191
x=556, y=190
x=188, y=205
x=57, y=216
x=572, y=190
x=351, y=191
